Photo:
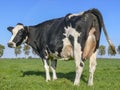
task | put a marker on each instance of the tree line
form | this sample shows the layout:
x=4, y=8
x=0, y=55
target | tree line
x=26, y=49
x=18, y=50
x=102, y=50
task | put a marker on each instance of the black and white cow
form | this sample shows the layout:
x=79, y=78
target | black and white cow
x=75, y=35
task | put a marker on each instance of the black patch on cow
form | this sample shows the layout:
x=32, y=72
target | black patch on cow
x=78, y=28
x=81, y=41
x=71, y=38
x=81, y=64
x=78, y=39
x=10, y=28
x=67, y=20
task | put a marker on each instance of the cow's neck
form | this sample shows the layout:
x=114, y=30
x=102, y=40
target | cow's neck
x=31, y=38
x=28, y=33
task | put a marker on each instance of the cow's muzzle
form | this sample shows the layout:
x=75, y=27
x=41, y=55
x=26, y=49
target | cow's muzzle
x=11, y=45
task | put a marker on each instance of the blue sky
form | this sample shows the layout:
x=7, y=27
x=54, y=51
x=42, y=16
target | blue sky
x=31, y=12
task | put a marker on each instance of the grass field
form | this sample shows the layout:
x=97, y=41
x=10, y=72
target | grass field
x=19, y=74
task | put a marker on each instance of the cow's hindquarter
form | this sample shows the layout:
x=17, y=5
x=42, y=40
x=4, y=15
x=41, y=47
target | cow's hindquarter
x=91, y=47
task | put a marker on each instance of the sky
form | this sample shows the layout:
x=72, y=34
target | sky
x=32, y=12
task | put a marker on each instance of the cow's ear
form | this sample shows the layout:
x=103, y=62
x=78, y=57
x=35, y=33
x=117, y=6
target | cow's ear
x=19, y=24
x=10, y=28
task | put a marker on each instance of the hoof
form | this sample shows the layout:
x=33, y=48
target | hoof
x=48, y=80
x=54, y=79
x=90, y=84
x=76, y=83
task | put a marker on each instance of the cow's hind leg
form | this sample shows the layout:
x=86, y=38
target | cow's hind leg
x=92, y=67
x=79, y=69
x=79, y=63
x=46, y=66
x=53, y=68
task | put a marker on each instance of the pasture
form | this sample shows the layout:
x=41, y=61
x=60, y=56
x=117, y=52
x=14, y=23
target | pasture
x=23, y=74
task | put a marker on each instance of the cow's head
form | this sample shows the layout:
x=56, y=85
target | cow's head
x=18, y=35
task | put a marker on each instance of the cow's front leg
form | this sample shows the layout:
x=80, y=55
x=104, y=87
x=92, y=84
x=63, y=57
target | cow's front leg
x=46, y=66
x=53, y=68
x=92, y=67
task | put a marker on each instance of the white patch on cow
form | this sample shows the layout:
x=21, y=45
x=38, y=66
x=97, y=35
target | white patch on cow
x=46, y=66
x=54, y=73
x=67, y=50
x=15, y=31
x=78, y=61
x=92, y=67
x=77, y=14
x=76, y=51
x=71, y=31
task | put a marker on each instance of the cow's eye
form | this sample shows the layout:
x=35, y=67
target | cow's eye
x=21, y=31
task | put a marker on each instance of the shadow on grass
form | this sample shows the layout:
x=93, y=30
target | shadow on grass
x=70, y=76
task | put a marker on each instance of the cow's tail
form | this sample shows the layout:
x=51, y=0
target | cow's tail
x=97, y=13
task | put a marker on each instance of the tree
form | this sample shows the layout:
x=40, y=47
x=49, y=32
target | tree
x=101, y=50
x=17, y=51
x=110, y=52
x=118, y=49
x=1, y=50
x=26, y=50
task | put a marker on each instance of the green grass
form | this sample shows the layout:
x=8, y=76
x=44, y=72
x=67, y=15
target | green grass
x=21, y=74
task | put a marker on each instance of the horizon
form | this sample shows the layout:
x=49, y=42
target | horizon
x=38, y=11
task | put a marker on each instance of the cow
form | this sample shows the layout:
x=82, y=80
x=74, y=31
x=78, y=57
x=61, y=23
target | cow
x=74, y=36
